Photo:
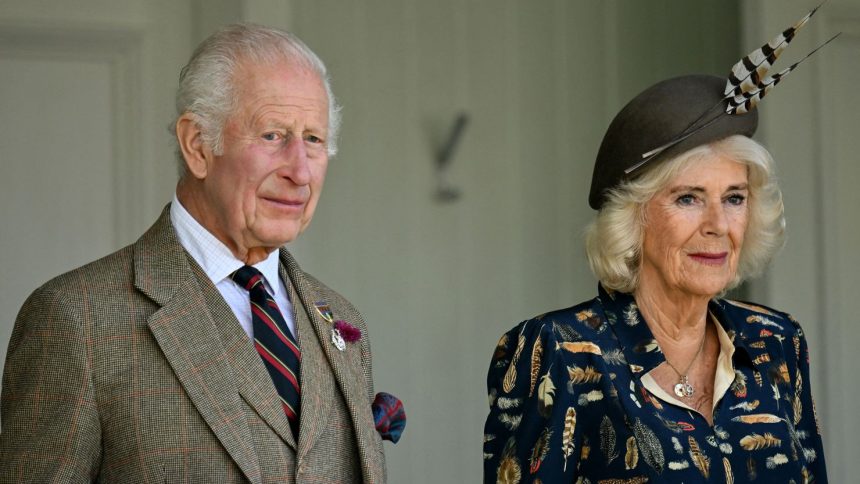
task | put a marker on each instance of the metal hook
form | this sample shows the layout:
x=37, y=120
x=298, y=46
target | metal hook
x=445, y=191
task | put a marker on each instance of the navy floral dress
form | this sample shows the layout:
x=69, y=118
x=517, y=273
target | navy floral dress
x=567, y=404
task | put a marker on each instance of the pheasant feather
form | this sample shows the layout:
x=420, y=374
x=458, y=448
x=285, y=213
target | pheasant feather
x=727, y=467
x=511, y=375
x=745, y=100
x=537, y=353
x=700, y=460
x=747, y=74
x=745, y=87
x=568, y=434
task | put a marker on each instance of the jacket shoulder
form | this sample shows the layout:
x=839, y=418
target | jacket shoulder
x=104, y=275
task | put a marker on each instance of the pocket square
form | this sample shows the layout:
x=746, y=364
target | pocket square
x=388, y=416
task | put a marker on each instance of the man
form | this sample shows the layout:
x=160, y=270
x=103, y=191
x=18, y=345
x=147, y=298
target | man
x=202, y=352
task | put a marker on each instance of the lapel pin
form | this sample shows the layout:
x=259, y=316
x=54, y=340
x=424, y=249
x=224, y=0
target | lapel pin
x=337, y=339
x=341, y=331
x=324, y=310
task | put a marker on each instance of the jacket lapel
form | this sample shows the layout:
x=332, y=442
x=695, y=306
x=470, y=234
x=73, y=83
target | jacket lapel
x=318, y=385
x=251, y=377
x=347, y=372
x=187, y=335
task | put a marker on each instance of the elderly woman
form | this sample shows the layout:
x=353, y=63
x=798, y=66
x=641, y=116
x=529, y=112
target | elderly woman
x=658, y=379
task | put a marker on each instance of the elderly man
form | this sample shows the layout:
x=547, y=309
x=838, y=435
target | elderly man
x=202, y=352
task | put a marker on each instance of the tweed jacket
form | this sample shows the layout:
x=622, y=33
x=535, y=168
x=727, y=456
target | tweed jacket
x=133, y=368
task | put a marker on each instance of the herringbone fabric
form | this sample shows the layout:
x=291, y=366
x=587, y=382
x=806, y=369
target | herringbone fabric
x=274, y=342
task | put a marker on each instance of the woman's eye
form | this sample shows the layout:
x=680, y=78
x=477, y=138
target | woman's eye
x=685, y=200
x=736, y=199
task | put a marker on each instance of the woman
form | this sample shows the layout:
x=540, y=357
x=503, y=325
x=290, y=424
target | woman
x=657, y=379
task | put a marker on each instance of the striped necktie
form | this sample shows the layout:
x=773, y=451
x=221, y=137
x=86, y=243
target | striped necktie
x=274, y=342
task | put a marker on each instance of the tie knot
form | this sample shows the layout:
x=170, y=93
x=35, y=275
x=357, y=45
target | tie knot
x=247, y=277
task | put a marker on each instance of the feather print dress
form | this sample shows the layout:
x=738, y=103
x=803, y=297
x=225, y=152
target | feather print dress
x=568, y=405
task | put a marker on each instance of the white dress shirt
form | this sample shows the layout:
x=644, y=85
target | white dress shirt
x=218, y=263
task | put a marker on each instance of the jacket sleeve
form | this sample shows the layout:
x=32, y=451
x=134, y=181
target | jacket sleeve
x=50, y=425
x=530, y=434
x=805, y=419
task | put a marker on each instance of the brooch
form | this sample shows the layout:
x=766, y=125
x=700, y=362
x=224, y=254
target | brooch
x=341, y=331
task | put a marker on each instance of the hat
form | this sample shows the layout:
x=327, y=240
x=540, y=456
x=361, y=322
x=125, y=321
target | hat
x=679, y=114
x=656, y=117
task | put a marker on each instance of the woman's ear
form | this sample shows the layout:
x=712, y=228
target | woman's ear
x=196, y=152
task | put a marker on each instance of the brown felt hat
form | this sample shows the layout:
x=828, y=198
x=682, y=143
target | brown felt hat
x=687, y=109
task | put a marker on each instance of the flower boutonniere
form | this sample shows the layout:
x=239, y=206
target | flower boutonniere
x=341, y=331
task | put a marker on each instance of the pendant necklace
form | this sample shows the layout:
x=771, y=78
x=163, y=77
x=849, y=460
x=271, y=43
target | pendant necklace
x=683, y=388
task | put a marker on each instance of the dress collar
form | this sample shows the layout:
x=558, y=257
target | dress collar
x=641, y=350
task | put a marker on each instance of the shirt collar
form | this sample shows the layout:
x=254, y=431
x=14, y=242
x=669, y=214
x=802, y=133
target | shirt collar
x=211, y=254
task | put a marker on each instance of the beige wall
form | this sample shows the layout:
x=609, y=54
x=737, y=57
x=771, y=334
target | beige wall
x=439, y=282
x=812, y=131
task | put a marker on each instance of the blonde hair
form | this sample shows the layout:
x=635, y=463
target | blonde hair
x=614, y=239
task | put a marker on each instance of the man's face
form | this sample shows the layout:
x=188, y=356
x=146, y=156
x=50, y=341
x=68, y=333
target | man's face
x=263, y=189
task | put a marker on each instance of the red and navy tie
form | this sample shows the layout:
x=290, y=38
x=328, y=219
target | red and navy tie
x=274, y=342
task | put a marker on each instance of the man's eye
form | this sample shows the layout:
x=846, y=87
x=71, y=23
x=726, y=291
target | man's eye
x=271, y=136
x=314, y=139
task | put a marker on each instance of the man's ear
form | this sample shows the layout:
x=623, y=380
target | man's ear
x=196, y=152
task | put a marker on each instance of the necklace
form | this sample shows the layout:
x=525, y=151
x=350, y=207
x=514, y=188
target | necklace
x=683, y=388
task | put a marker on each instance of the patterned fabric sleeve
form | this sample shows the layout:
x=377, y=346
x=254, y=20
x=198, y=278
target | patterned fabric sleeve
x=51, y=430
x=530, y=433
x=805, y=421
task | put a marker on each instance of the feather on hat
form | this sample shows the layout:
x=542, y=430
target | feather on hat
x=681, y=113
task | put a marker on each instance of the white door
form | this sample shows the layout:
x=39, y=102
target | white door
x=86, y=90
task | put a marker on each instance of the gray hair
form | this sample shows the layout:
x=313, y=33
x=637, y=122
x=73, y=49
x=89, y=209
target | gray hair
x=614, y=239
x=206, y=83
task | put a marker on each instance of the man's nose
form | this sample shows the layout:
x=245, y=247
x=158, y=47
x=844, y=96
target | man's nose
x=295, y=164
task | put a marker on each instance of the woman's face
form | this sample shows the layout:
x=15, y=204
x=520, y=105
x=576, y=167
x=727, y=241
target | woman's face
x=694, y=229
